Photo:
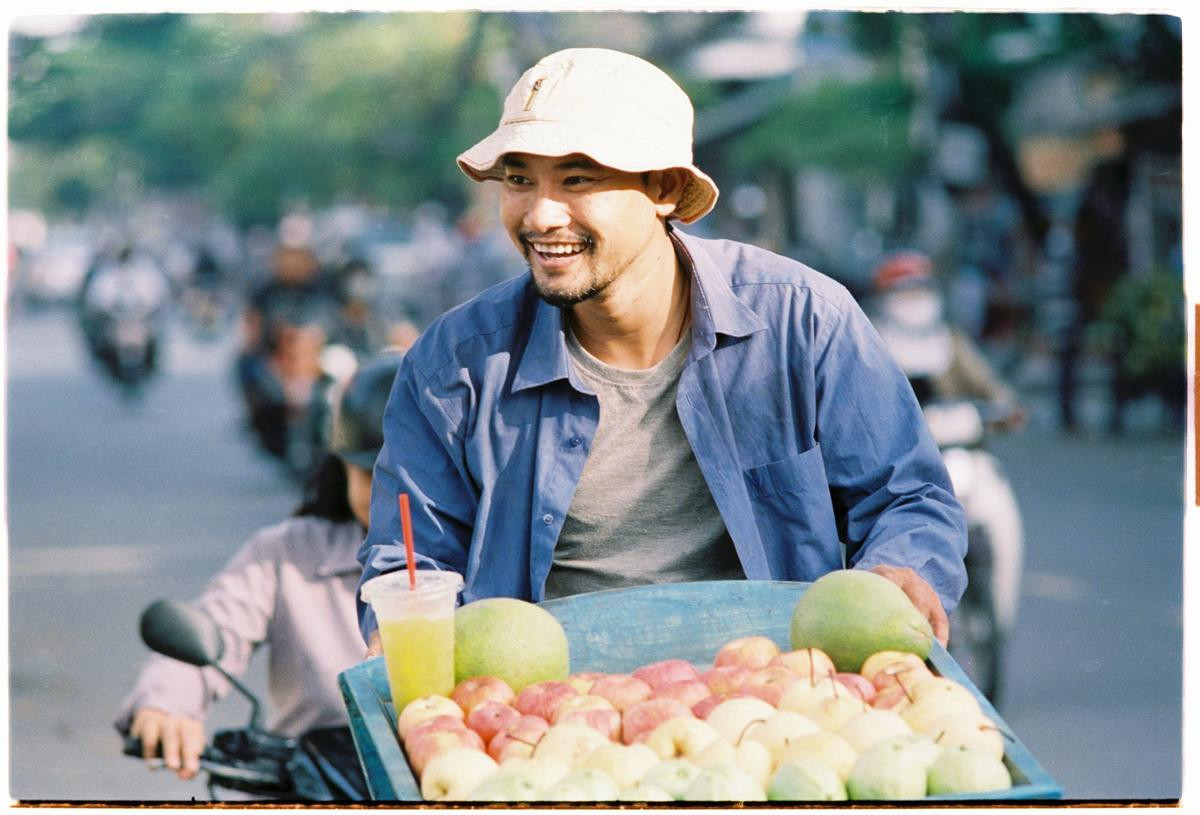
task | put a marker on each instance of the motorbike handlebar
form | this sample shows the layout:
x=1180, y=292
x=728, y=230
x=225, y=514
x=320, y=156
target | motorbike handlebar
x=252, y=772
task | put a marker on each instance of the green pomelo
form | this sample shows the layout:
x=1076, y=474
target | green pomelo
x=516, y=641
x=851, y=614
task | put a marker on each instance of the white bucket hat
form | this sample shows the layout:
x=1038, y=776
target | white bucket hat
x=615, y=108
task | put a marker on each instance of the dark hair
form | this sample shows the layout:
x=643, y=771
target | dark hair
x=325, y=492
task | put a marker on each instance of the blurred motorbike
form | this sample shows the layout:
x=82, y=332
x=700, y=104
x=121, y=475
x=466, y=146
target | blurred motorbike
x=205, y=301
x=986, y=614
x=963, y=400
x=122, y=306
x=320, y=765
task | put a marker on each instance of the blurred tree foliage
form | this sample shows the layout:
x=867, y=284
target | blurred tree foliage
x=1143, y=327
x=369, y=106
x=864, y=141
x=259, y=111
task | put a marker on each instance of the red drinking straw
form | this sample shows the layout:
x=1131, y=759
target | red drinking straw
x=406, y=524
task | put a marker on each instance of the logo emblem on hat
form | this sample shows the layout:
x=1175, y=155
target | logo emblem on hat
x=544, y=84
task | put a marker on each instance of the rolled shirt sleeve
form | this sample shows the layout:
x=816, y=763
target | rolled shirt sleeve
x=890, y=488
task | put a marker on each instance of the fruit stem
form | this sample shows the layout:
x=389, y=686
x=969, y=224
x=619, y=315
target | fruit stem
x=746, y=729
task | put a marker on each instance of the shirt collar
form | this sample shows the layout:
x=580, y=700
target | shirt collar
x=544, y=359
x=715, y=310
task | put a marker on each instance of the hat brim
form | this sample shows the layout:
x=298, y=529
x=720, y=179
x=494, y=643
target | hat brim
x=544, y=138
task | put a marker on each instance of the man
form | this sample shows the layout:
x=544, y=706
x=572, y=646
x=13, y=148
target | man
x=646, y=406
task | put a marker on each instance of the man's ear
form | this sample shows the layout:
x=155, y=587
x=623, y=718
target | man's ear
x=664, y=189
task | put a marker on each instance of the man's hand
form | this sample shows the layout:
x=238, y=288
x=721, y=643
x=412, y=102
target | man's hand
x=182, y=739
x=374, y=645
x=923, y=597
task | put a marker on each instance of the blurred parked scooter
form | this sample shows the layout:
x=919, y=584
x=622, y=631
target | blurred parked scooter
x=963, y=401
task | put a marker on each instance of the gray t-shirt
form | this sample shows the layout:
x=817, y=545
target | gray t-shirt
x=642, y=512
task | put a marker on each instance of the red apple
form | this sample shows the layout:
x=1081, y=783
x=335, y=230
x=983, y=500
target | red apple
x=883, y=659
x=688, y=691
x=857, y=684
x=806, y=663
x=543, y=698
x=584, y=680
x=666, y=671
x=421, y=749
x=905, y=674
x=427, y=707
x=623, y=690
x=701, y=709
x=769, y=683
x=893, y=697
x=517, y=738
x=726, y=678
x=605, y=720
x=582, y=702
x=432, y=726
x=753, y=652
x=489, y=718
x=473, y=692
x=639, y=720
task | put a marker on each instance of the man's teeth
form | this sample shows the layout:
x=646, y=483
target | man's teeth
x=558, y=248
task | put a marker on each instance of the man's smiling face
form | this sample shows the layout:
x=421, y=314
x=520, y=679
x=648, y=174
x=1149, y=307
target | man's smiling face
x=580, y=224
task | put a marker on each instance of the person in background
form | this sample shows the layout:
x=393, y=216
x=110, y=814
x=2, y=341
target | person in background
x=285, y=327
x=129, y=279
x=646, y=406
x=940, y=359
x=296, y=287
x=944, y=366
x=290, y=589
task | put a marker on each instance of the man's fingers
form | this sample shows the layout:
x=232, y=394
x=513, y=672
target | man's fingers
x=374, y=645
x=929, y=604
x=940, y=623
x=923, y=597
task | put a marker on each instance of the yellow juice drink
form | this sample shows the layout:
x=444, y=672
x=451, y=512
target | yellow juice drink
x=416, y=628
x=419, y=655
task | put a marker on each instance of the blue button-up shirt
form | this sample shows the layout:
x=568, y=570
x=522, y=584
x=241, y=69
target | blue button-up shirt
x=807, y=433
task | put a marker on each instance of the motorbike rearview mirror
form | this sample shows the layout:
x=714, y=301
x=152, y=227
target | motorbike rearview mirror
x=182, y=632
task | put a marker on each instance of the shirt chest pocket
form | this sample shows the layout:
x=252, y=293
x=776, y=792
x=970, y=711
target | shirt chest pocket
x=794, y=513
x=788, y=478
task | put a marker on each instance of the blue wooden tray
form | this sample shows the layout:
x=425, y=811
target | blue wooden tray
x=617, y=631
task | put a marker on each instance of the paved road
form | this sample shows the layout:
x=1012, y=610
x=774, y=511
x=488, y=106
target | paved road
x=111, y=506
x=1095, y=669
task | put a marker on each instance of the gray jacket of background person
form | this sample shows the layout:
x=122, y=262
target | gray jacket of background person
x=290, y=587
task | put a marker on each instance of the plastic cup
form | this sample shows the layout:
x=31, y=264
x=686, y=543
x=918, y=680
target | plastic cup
x=416, y=626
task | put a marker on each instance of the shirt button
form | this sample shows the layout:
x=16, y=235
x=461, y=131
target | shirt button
x=576, y=441
x=547, y=519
